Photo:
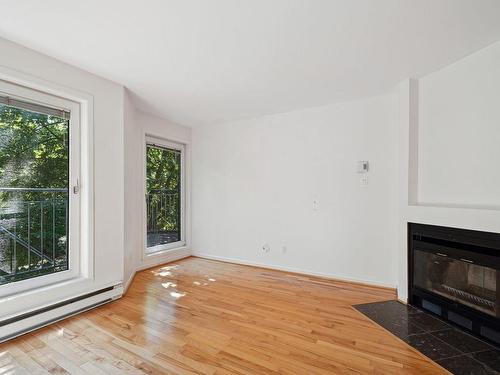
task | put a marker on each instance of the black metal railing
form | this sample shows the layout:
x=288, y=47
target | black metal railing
x=33, y=232
x=163, y=217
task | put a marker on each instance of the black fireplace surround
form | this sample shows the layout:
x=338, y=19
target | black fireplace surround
x=455, y=274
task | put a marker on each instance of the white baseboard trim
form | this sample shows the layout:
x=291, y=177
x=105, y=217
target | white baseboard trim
x=295, y=270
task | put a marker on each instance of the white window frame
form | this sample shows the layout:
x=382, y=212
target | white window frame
x=164, y=248
x=78, y=260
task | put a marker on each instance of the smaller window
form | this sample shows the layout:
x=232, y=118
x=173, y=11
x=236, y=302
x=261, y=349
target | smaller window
x=164, y=195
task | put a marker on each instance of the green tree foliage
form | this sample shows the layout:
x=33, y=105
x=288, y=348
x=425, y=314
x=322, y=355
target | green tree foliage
x=33, y=149
x=163, y=169
x=163, y=181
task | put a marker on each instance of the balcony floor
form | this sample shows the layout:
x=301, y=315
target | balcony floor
x=160, y=238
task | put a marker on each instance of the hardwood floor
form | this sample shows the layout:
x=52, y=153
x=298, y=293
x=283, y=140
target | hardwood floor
x=197, y=316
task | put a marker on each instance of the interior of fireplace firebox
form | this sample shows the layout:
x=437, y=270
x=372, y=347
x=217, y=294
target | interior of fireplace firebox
x=460, y=280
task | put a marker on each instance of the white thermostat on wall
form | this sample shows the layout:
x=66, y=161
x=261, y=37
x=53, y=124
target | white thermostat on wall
x=363, y=166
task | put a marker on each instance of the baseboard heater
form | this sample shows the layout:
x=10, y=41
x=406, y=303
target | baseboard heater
x=33, y=320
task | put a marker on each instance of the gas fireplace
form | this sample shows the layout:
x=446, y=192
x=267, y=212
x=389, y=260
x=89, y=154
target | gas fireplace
x=455, y=273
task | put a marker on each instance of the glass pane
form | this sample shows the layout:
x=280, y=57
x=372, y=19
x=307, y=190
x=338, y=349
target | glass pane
x=34, y=175
x=163, y=195
x=470, y=284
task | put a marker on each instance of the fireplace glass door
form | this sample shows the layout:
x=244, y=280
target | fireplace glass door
x=459, y=280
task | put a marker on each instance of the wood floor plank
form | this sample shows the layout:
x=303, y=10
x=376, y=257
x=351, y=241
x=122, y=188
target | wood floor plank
x=198, y=316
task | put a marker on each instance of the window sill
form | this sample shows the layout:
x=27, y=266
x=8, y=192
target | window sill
x=165, y=256
x=162, y=249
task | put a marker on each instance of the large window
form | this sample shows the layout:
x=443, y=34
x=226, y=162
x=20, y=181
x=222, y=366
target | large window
x=164, y=195
x=37, y=206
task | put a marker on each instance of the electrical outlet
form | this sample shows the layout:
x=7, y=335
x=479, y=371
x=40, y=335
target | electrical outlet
x=266, y=248
x=284, y=249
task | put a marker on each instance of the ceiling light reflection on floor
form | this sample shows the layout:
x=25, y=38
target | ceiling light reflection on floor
x=168, y=285
x=164, y=273
x=177, y=294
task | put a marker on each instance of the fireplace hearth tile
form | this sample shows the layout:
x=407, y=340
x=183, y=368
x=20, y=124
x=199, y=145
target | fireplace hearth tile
x=455, y=350
x=393, y=316
x=427, y=322
x=465, y=365
x=431, y=346
x=491, y=358
x=387, y=308
x=462, y=341
x=402, y=329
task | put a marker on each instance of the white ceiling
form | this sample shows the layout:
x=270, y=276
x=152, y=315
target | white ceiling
x=206, y=61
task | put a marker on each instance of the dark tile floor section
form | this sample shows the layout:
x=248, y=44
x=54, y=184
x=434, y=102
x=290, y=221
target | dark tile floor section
x=490, y=357
x=455, y=350
x=431, y=346
x=464, y=365
x=462, y=341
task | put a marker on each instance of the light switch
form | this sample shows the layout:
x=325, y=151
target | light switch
x=315, y=205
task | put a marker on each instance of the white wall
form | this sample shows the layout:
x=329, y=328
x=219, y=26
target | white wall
x=137, y=126
x=254, y=182
x=459, y=132
x=108, y=169
x=132, y=191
